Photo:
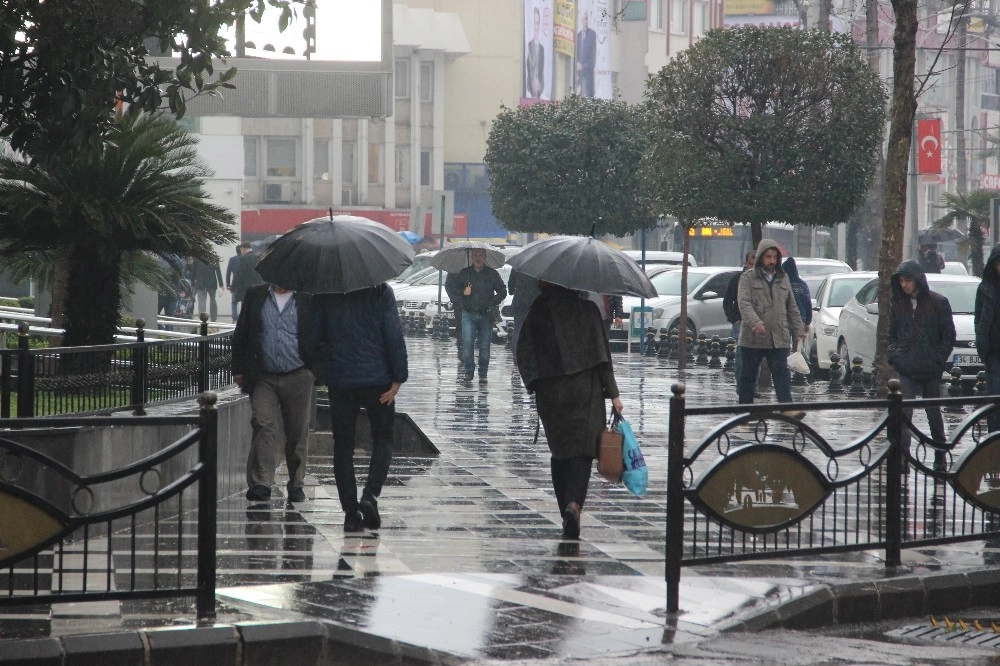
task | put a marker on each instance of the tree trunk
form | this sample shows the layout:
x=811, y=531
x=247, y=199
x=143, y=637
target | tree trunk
x=823, y=22
x=902, y=110
x=57, y=312
x=976, y=245
x=756, y=233
x=93, y=298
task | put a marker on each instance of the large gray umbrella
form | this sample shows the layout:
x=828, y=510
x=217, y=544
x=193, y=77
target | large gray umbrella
x=932, y=236
x=335, y=255
x=457, y=256
x=585, y=263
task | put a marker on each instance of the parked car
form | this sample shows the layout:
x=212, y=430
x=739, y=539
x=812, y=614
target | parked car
x=832, y=293
x=811, y=266
x=859, y=317
x=420, y=266
x=706, y=287
x=660, y=257
x=955, y=268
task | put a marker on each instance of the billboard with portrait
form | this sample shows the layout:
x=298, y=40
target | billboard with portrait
x=538, y=55
x=592, y=62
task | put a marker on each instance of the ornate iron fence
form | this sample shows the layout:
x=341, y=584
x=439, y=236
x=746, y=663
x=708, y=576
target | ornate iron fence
x=762, y=484
x=67, y=536
x=108, y=378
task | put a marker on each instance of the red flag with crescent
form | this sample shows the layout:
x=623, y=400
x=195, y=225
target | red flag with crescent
x=929, y=146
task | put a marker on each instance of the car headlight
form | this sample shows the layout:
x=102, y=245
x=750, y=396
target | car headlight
x=828, y=330
x=657, y=313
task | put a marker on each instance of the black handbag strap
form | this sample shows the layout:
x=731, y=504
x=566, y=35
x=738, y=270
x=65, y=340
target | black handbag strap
x=538, y=426
x=615, y=419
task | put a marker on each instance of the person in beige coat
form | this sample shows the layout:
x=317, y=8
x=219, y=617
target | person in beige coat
x=770, y=320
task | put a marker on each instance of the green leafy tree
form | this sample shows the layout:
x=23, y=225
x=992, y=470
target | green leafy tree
x=65, y=63
x=138, y=193
x=973, y=206
x=568, y=167
x=754, y=125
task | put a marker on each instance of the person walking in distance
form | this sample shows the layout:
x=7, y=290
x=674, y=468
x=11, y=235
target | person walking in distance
x=769, y=321
x=207, y=279
x=564, y=358
x=232, y=273
x=453, y=286
x=361, y=337
x=483, y=290
x=921, y=338
x=987, y=318
x=276, y=364
x=731, y=307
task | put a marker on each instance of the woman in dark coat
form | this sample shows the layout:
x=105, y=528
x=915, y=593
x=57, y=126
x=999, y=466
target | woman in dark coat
x=565, y=360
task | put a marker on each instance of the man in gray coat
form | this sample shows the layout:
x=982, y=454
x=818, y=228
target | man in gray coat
x=770, y=320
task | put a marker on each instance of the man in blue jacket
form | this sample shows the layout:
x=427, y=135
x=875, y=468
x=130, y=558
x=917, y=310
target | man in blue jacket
x=361, y=337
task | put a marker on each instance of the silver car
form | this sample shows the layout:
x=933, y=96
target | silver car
x=833, y=292
x=706, y=288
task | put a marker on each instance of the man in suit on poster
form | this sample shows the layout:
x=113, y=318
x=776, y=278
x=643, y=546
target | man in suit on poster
x=534, y=60
x=586, y=58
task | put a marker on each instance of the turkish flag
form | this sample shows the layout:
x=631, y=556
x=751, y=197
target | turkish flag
x=929, y=146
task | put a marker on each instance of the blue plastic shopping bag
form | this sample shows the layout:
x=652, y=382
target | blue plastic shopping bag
x=636, y=474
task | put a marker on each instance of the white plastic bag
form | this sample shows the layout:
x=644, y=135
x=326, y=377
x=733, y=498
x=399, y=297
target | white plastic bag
x=797, y=363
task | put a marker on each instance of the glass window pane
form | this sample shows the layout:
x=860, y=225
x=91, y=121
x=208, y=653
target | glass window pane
x=402, y=78
x=250, y=156
x=281, y=158
x=349, y=162
x=426, y=82
x=403, y=166
x=374, y=163
x=321, y=160
x=425, y=168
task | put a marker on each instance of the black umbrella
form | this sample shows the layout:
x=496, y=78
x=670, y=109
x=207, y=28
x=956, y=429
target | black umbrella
x=585, y=263
x=335, y=255
x=931, y=236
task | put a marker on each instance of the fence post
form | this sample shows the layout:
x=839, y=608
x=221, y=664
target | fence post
x=25, y=375
x=208, y=423
x=6, y=370
x=675, y=497
x=139, y=367
x=894, y=476
x=203, y=367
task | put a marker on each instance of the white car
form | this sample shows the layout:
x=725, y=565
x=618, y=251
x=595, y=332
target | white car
x=833, y=292
x=809, y=266
x=859, y=317
x=706, y=289
x=660, y=258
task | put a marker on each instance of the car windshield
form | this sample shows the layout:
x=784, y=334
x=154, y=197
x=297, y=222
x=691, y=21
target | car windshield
x=841, y=291
x=821, y=269
x=961, y=295
x=419, y=264
x=669, y=283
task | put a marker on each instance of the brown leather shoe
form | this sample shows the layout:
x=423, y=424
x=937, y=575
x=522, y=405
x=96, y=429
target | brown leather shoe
x=571, y=521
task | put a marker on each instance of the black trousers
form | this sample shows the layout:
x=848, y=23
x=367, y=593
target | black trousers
x=570, y=480
x=345, y=404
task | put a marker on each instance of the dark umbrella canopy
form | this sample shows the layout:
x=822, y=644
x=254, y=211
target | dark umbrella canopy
x=335, y=255
x=933, y=236
x=584, y=263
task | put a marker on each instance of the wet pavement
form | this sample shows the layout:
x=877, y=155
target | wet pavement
x=470, y=564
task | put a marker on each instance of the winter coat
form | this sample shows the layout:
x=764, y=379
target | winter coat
x=772, y=303
x=361, y=338
x=488, y=289
x=987, y=312
x=247, y=349
x=564, y=358
x=800, y=290
x=206, y=277
x=921, y=339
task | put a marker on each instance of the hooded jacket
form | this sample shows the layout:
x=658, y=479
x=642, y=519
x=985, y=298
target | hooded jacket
x=921, y=338
x=987, y=311
x=772, y=303
x=799, y=289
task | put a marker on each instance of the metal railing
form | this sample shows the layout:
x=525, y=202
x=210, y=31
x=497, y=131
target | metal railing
x=107, y=378
x=763, y=484
x=115, y=534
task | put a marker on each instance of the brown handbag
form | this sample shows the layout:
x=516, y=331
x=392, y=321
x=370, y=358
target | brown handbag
x=609, y=459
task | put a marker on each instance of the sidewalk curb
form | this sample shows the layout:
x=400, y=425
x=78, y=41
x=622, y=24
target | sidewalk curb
x=872, y=601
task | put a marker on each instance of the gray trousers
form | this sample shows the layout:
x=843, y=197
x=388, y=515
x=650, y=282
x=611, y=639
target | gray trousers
x=280, y=403
x=213, y=307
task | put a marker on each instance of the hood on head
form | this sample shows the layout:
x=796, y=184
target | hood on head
x=990, y=270
x=910, y=268
x=763, y=246
x=791, y=270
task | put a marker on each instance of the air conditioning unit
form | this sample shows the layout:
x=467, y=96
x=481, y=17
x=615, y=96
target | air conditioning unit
x=277, y=192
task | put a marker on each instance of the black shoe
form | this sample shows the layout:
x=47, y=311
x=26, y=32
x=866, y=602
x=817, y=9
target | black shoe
x=259, y=493
x=468, y=376
x=369, y=509
x=296, y=495
x=482, y=379
x=571, y=521
x=354, y=521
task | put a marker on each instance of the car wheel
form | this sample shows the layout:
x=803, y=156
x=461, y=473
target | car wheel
x=675, y=328
x=845, y=356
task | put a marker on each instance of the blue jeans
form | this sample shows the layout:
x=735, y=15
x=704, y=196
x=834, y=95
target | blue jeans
x=746, y=378
x=993, y=387
x=473, y=326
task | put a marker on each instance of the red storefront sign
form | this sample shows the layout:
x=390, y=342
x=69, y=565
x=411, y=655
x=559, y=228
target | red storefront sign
x=929, y=145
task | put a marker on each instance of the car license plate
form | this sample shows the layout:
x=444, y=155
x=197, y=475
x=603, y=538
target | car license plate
x=966, y=359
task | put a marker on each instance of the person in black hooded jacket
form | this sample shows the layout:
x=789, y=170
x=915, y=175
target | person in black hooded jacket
x=987, y=318
x=921, y=338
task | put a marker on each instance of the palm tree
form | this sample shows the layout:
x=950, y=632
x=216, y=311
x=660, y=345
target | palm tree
x=974, y=206
x=103, y=214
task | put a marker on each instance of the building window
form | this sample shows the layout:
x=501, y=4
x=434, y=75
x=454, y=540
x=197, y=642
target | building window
x=321, y=160
x=426, y=82
x=701, y=18
x=349, y=162
x=656, y=14
x=678, y=17
x=281, y=158
x=425, y=168
x=374, y=163
x=402, y=166
x=402, y=78
x=250, y=156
